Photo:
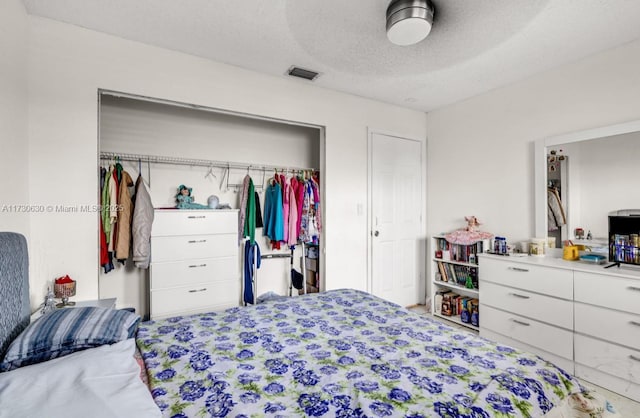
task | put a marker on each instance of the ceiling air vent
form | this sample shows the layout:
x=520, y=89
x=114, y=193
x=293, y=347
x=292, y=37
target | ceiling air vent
x=302, y=73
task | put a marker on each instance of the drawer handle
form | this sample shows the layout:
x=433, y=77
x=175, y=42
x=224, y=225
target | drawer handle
x=197, y=265
x=636, y=323
x=518, y=269
x=634, y=288
x=520, y=296
x=194, y=241
x=520, y=322
x=197, y=290
x=196, y=217
x=635, y=358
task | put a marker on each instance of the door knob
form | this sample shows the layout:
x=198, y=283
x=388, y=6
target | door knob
x=376, y=233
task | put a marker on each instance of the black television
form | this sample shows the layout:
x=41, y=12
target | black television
x=624, y=237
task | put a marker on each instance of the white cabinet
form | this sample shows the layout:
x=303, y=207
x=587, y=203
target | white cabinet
x=454, y=275
x=581, y=317
x=528, y=306
x=607, y=345
x=194, y=262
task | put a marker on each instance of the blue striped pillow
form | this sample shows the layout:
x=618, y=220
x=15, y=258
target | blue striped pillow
x=66, y=331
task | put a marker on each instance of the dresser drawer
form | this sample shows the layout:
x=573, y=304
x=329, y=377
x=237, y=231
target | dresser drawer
x=196, y=298
x=617, y=327
x=194, y=222
x=532, y=305
x=540, y=279
x=608, y=358
x=608, y=291
x=188, y=272
x=543, y=336
x=187, y=247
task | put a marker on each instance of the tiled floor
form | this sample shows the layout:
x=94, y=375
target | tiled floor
x=625, y=406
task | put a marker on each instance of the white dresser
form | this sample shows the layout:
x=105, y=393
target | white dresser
x=584, y=318
x=194, y=262
x=529, y=306
x=607, y=326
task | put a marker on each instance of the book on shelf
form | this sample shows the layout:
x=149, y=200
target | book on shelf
x=443, y=274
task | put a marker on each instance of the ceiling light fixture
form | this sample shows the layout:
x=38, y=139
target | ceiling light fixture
x=409, y=21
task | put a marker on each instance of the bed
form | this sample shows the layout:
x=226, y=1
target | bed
x=341, y=353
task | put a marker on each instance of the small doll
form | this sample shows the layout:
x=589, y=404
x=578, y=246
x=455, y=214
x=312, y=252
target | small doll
x=472, y=223
x=185, y=200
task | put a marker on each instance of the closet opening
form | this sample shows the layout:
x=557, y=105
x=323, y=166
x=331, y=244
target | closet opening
x=168, y=144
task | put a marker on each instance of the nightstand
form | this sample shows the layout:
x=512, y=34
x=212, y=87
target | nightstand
x=100, y=303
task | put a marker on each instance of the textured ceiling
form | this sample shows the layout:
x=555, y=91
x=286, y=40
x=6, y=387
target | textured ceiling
x=475, y=46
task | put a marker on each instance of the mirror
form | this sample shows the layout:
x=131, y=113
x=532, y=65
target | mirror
x=596, y=175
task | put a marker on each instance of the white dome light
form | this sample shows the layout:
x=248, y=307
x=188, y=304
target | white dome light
x=409, y=21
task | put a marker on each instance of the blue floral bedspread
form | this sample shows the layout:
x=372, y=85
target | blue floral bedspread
x=343, y=353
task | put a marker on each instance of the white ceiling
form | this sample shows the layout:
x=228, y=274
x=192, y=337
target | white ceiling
x=475, y=46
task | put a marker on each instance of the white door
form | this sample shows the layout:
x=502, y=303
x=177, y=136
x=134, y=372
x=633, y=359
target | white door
x=397, y=258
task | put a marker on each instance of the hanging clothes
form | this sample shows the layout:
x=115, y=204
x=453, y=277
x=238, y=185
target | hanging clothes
x=113, y=208
x=285, y=211
x=300, y=202
x=273, y=218
x=305, y=221
x=244, y=196
x=141, y=225
x=105, y=262
x=104, y=252
x=124, y=218
x=555, y=213
x=251, y=256
x=293, y=215
x=318, y=206
x=250, y=217
x=259, y=223
x=104, y=209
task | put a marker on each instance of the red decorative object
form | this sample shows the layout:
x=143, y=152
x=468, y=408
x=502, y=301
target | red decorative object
x=63, y=288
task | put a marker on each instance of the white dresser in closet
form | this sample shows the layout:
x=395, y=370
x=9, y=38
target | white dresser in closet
x=194, y=262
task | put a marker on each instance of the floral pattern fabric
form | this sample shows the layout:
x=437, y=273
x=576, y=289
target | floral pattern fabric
x=342, y=353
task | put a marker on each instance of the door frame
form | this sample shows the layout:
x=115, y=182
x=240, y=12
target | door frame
x=423, y=287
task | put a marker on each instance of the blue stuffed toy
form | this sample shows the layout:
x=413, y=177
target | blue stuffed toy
x=185, y=200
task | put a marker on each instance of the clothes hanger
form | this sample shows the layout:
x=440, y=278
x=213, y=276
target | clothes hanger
x=225, y=173
x=210, y=173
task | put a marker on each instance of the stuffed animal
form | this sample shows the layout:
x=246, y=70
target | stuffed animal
x=472, y=223
x=185, y=200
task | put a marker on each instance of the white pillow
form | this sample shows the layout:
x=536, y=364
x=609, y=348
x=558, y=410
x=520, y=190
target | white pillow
x=97, y=382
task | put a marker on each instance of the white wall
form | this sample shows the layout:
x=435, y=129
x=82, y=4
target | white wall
x=69, y=64
x=481, y=150
x=142, y=127
x=14, y=161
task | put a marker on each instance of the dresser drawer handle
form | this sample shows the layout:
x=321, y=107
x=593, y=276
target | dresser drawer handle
x=520, y=322
x=520, y=296
x=194, y=241
x=635, y=358
x=197, y=265
x=197, y=290
x=637, y=289
x=636, y=323
x=196, y=217
x=518, y=269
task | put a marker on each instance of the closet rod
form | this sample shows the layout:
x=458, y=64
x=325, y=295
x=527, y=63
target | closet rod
x=263, y=256
x=195, y=162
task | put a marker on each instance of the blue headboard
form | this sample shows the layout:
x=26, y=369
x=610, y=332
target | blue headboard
x=14, y=287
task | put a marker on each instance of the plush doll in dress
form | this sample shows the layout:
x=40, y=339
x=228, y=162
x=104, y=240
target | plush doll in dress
x=185, y=200
x=472, y=223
